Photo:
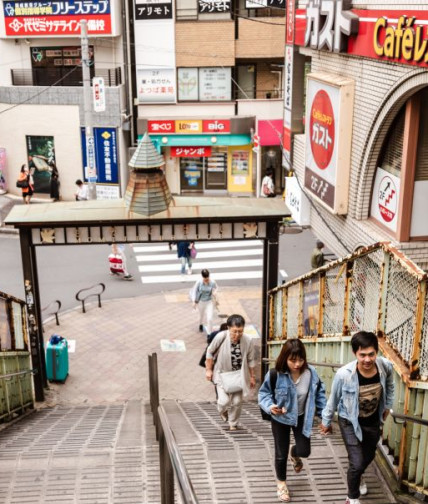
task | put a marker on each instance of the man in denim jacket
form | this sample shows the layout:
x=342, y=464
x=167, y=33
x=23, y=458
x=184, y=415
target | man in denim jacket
x=362, y=393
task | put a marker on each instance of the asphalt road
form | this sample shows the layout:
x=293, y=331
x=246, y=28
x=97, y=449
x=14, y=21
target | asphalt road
x=64, y=270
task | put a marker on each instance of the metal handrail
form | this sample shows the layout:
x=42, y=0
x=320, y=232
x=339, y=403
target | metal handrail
x=98, y=294
x=154, y=390
x=407, y=418
x=172, y=462
x=11, y=375
x=55, y=312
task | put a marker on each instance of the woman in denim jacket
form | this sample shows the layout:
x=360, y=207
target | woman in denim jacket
x=299, y=394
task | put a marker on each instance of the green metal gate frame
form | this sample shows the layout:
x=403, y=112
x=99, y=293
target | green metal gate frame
x=375, y=289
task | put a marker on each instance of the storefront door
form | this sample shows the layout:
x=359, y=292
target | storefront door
x=216, y=172
x=192, y=174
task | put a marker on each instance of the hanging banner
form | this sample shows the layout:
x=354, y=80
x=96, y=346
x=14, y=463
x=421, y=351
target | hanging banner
x=99, y=94
x=56, y=18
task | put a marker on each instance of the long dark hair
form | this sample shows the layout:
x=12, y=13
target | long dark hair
x=292, y=349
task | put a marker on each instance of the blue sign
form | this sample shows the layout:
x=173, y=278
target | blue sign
x=105, y=154
x=57, y=8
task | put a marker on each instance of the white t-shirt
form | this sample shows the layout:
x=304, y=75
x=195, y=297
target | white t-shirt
x=82, y=193
x=267, y=181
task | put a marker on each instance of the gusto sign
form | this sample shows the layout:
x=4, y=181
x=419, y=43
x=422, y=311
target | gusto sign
x=322, y=126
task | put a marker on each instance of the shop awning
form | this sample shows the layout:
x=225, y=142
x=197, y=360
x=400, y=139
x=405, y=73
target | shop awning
x=199, y=140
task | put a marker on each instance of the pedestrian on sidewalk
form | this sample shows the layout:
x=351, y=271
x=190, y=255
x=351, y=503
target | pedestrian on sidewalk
x=204, y=298
x=362, y=393
x=82, y=191
x=268, y=187
x=317, y=257
x=184, y=249
x=26, y=183
x=54, y=183
x=230, y=358
x=292, y=394
x=117, y=262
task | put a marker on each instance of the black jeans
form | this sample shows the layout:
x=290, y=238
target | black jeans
x=360, y=454
x=281, y=436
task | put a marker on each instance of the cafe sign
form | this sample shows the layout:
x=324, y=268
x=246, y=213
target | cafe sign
x=398, y=36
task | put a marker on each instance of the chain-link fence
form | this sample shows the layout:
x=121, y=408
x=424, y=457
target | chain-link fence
x=375, y=289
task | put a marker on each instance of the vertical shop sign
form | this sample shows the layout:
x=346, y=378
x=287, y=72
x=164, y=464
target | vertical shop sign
x=3, y=186
x=288, y=81
x=41, y=158
x=99, y=93
x=105, y=151
x=55, y=18
x=329, y=112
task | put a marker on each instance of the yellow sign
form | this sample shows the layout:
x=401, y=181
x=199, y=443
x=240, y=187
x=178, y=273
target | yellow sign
x=188, y=127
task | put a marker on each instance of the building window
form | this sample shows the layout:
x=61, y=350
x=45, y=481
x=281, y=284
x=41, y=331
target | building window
x=205, y=84
x=53, y=64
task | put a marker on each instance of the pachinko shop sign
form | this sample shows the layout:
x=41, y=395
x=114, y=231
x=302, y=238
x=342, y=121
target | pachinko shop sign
x=399, y=36
x=329, y=109
x=56, y=18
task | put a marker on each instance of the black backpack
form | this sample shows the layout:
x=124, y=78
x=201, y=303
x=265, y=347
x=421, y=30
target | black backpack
x=273, y=375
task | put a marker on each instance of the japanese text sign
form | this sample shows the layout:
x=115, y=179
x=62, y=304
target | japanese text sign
x=187, y=126
x=105, y=148
x=329, y=109
x=56, y=18
x=213, y=6
x=99, y=94
x=258, y=4
x=384, y=205
x=153, y=9
x=190, y=151
x=394, y=35
x=156, y=85
x=161, y=127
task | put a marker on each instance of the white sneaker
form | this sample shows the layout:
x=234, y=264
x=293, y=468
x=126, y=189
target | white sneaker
x=363, y=487
x=352, y=501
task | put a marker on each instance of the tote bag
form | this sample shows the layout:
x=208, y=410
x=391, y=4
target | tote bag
x=231, y=381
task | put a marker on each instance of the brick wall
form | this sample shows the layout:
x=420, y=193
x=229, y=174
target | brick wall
x=266, y=81
x=378, y=85
x=265, y=39
x=199, y=44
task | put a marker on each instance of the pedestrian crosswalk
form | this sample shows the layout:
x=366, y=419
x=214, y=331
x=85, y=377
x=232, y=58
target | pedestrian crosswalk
x=226, y=260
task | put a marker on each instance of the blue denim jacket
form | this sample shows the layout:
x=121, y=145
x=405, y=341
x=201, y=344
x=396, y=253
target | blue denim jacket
x=286, y=396
x=344, y=396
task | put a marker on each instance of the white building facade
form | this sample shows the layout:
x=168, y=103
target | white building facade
x=41, y=93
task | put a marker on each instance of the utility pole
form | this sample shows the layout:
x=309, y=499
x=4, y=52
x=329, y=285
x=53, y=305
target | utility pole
x=90, y=168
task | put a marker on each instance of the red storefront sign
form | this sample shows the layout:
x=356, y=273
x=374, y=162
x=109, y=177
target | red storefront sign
x=322, y=129
x=161, y=127
x=190, y=151
x=216, y=126
x=394, y=35
x=289, y=33
x=56, y=18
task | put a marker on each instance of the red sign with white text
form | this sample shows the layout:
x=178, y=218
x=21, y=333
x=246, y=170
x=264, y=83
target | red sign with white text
x=190, y=151
x=289, y=31
x=216, y=126
x=56, y=26
x=161, y=127
x=398, y=36
x=322, y=129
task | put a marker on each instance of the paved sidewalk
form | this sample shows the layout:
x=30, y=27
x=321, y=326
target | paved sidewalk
x=7, y=202
x=110, y=364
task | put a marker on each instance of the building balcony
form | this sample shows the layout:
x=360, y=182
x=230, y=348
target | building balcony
x=61, y=76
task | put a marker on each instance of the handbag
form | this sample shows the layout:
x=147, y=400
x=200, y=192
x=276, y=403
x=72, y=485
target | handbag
x=231, y=381
x=23, y=184
x=193, y=252
x=273, y=375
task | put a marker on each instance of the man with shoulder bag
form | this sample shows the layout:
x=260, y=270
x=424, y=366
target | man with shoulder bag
x=230, y=366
